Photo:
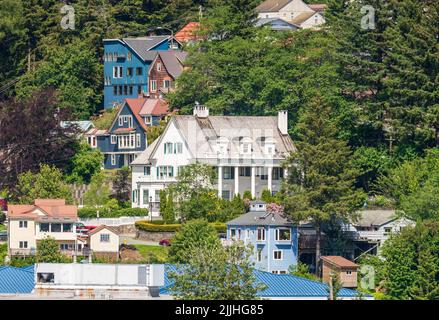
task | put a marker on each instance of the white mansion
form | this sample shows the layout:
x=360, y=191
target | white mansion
x=248, y=153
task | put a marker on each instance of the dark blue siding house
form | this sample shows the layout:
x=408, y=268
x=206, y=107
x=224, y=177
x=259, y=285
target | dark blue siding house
x=127, y=136
x=126, y=65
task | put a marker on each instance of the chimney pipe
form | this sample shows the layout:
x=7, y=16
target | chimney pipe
x=201, y=111
x=282, y=121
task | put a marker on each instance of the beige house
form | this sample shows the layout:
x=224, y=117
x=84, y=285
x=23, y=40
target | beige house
x=104, y=242
x=344, y=267
x=28, y=224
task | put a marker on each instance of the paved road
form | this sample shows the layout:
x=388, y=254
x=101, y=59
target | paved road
x=129, y=239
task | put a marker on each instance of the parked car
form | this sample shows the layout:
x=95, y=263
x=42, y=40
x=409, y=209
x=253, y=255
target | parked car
x=165, y=242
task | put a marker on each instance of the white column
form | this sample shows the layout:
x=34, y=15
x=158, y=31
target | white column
x=253, y=182
x=220, y=182
x=236, y=180
x=270, y=178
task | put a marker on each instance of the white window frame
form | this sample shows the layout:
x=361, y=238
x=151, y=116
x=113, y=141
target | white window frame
x=104, y=237
x=145, y=170
x=165, y=172
x=281, y=255
x=120, y=121
x=113, y=139
x=138, y=140
x=233, y=237
x=126, y=141
x=262, y=233
x=22, y=224
x=259, y=255
x=277, y=234
x=23, y=244
x=145, y=200
x=178, y=148
x=153, y=85
x=159, y=66
x=113, y=159
x=166, y=82
x=148, y=120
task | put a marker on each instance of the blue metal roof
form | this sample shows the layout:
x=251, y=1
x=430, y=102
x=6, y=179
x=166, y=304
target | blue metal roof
x=16, y=280
x=280, y=285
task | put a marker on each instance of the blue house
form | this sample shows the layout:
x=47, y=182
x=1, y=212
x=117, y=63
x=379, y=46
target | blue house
x=127, y=136
x=273, y=236
x=126, y=65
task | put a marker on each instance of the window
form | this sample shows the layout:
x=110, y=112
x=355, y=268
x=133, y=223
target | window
x=168, y=148
x=129, y=72
x=23, y=244
x=153, y=85
x=228, y=173
x=139, y=71
x=55, y=227
x=138, y=140
x=159, y=66
x=134, y=196
x=145, y=196
x=261, y=234
x=166, y=84
x=283, y=234
x=126, y=141
x=44, y=227
x=348, y=272
x=105, y=237
x=146, y=170
x=120, y=121
x=277, y=255
x=117, y=72
x=233, y=234
x=23, y=224
x=113, y=159
x=246, y=148
x=178, y=147
x=131, y=90
x=164, y=172
x=278, y=173
x=113, y=139
x=148, y=120
x=125, y=90
x=226, y=194
x=64, y=246
x=139, y=89
x=244, y=171
x=259, y=255
x=120, y=90
x=92, y=141
x=67, y=227
x=47, y=277
x=279, y=272
x=115, y=90
x=129, y=56
x=157, y=195
x=387, y=230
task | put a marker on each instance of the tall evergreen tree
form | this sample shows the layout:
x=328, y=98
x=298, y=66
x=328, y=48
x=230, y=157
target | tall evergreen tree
x=319, y=186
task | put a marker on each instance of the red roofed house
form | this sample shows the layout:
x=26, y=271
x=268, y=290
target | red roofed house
x=189, y=33
x=127, y=136
x=344, y=267
x=165, y=69
x=28, y=224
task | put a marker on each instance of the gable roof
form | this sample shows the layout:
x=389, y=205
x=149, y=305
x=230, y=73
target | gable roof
x=339, y=261
x=278, y=286
x=155, y=107
x=102, y=227
x=272, y=5
x=83, y=125
x=16, y=280
x=260, y=218
x=188, y=32
x=143, y=45
x=173, y=61
x=201, y=134
x=375, y=217
x=301, y=18
x=51, y=208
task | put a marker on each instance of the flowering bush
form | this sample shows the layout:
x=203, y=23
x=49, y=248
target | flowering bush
x=275, y=208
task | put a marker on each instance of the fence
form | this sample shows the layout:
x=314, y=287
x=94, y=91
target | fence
x=112, y=221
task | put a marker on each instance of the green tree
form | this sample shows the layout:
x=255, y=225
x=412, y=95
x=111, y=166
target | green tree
x=193, y=233
x=48, y=251
x=412, y=262
x=98, y=193
x=216, y=273
x=334, y=285
x=122, y=186
x=302, y=270
x=320, y=186
x=266, y=196
x=48, y=183
x=167, y=208
x=84, y=164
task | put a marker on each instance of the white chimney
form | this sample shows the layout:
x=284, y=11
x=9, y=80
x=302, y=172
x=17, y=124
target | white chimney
x=282, y=121
x=201, y=111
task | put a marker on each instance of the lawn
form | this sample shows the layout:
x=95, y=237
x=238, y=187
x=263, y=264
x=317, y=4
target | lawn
x=155, y=253
x=2, y=227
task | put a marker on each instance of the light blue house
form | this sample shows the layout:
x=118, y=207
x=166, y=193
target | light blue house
x=126, y=65
x=273, y=236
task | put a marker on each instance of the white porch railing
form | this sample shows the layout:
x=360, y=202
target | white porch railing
x=111, y=221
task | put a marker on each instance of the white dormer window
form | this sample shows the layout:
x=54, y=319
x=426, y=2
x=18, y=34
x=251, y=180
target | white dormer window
x=222, y=145
x=245, y=145
x=148, y=120
x=120, y=121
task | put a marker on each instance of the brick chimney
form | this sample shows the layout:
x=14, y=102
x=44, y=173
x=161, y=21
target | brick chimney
x=282, y=121
x=201, y=111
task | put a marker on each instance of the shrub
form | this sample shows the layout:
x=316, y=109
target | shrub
x=154, y=226
x=89, y=212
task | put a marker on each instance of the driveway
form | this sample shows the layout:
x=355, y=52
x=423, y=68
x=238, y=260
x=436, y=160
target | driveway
x=129, y=239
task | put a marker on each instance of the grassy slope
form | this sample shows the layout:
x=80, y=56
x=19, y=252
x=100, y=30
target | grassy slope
x=160, y=253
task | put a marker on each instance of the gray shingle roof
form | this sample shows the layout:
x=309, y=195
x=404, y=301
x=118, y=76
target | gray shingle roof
x=201, y=135
x=375, y=217
x=272, y=5
x=260, y=218
x=142, y=45
x=173, y=61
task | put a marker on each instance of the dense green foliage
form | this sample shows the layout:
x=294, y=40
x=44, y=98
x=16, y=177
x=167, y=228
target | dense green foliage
x=48, y=183
x=214, y=272
x=48, y=251
x=84, y=164
x=106, y=212
x=195, y=233
x=162, y=226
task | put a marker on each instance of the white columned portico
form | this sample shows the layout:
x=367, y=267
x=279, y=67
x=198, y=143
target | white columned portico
x=220, y=181
x=253, y=182
x=236, y=180
x=270, y=178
